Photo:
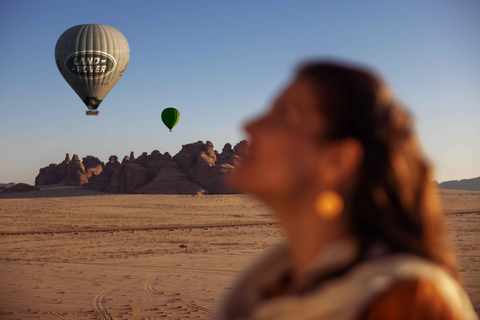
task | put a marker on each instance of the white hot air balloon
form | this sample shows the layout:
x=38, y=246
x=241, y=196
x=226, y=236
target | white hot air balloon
x=92, y=58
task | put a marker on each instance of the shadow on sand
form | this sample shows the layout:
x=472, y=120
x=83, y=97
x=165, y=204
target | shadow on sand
x=54, y=191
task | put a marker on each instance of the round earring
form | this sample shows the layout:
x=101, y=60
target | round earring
x=328, y=205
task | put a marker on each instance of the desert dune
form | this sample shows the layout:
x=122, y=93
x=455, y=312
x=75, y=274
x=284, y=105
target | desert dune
x=73, y=253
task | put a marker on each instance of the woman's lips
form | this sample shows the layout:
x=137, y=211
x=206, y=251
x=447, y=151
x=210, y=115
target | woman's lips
x=249, y=152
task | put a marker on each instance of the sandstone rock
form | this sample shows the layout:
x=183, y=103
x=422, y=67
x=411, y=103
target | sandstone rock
x=102, y=182
x=201, y=172
x=187, y=156
x=113, y=161
x=193, y=152
x=196, y=169
x=91, y=162
x=93, y=168
x=240, y=148
x=472, y=184
x=47, y=175
x=213, y=178
x=62, y=168
x=227, y=150
x=127, y=178
x=170, y=180
x=184, y=160
x=53, y=173
x=142, y=160
x=75, y=170
x=218, y=183
x=20, y=187
x=155, y=161
x=40, y=178
x=228, y=156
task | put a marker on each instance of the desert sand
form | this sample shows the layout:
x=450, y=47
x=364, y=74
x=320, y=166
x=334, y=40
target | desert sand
x=72, y=253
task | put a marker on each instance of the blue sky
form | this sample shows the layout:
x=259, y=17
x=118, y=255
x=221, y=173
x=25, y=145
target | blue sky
x=222, y=62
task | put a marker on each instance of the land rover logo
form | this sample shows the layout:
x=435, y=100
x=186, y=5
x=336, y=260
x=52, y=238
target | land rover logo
x=90, y=64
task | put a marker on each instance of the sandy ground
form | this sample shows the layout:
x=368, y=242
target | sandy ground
x=70, y=253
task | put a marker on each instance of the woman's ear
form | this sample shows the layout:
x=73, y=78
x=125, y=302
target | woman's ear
x=342, y=161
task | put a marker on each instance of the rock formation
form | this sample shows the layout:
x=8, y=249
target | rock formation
x=53, y=173
x=465, y=184
x=103, y=180
x=171, y=180
x=127, y=178
x=196, y=169
x=75, y=170
x=20, y=187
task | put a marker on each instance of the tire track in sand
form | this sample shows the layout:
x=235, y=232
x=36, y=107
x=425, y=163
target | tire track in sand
x=56, y=315
x=194, y=306
x=98, y=301
x=100, y=307
x=53, y=313
x=142, y=314
x=161, y=227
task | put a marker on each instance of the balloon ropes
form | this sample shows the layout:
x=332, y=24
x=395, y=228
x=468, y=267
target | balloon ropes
x=170, y=117
x=92, y=58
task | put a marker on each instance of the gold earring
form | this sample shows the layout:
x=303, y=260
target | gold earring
x=328, y=205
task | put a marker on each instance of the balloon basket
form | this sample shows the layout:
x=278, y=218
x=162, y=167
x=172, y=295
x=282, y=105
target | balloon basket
x=92, y=112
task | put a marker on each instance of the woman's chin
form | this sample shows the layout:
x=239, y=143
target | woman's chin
x=245, y=182
x=242, y=180
x=236, y=180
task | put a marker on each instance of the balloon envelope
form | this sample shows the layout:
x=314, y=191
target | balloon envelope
x=170, y=117
x=92, y=58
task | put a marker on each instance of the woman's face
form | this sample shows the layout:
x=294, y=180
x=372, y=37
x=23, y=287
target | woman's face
x=285, y=146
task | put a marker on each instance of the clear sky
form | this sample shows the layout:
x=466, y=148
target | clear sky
x=222, y=62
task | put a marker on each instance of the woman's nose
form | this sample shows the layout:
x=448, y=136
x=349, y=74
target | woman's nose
x=251, y=126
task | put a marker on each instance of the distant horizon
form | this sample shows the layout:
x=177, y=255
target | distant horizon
x=120, y=158
x=222, y=63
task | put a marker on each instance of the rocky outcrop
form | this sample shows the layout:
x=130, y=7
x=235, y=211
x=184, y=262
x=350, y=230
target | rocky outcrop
x=127, y=178
x=75, y=170
x=196, y=169
x=47, y=175
x=231, y=156
x=20, y=187
x=93, y=163
x=155, y=161
x=142, y=160
x=93, y=168
x=206, y=172
x=103, y=181
x=171, y=180
x=53, y=173
x=187, y=156
x=465, y=184
x=62, y=168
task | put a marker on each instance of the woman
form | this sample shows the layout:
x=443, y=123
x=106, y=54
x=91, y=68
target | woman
x=337, y=161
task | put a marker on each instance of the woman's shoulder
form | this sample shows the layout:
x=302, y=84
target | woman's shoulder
x=416, y=299
x=410, y=287
x=368, y=288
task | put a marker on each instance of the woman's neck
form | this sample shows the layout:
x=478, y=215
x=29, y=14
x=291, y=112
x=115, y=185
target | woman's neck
x=307, y=234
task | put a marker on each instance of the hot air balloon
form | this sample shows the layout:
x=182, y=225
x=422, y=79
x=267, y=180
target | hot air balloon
x=170, y=117
x=92, y=58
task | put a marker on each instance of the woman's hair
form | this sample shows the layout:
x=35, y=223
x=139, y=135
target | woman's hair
x=395, y=201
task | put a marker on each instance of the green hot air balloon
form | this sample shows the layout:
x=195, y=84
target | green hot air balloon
x=92, y=58
x=170, y=117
